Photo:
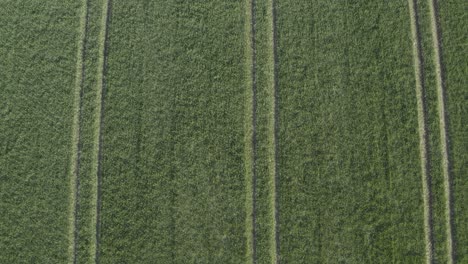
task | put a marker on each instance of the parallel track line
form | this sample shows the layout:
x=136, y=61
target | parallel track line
x=76, y=135
x=102, y=71
x=275, y=119
x=251, y=129
x=423, y=136
x=443, y=129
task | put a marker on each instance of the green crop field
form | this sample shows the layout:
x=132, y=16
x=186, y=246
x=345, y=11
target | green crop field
x=233, y=131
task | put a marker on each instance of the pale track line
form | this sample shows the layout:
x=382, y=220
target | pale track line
x=275, y=176
x=102, y=69
x=423, y=137
x=251, y=144
x=443, y=129
x=76, y=135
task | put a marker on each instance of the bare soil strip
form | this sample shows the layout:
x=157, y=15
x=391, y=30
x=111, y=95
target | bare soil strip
x=76, y=134
x=423, y=137
x=99, y=121
x=275, y=133
x=441, y=101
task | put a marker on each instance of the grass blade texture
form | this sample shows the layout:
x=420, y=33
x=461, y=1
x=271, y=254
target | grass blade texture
x=173, y=136
x=233, y=131
x=349, y=174
x=38, y=46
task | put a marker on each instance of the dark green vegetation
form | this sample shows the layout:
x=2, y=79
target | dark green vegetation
x=173, y=135
x=245, y=131
x=38, y=47
x=454, y=52
x=350, y=176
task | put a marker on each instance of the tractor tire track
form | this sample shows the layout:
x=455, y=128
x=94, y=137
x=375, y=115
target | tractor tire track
x=441, y=101
x=275, y=110
x=76, y=134
x=252, y=134
x=423, y=136
x=105, y=22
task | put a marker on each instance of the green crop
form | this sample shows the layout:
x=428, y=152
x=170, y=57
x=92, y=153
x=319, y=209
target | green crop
x=240, y=131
